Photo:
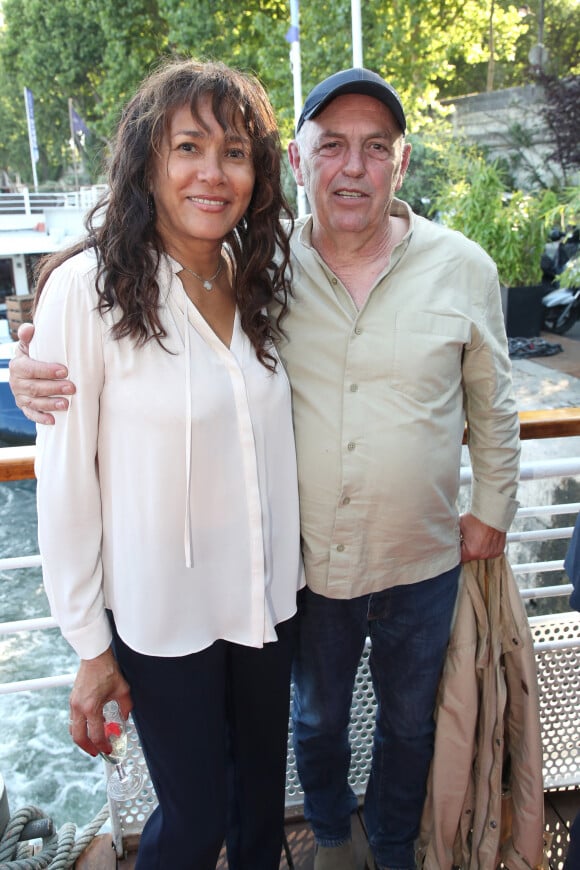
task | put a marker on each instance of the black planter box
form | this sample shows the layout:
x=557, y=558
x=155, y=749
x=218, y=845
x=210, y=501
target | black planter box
x=524, y=311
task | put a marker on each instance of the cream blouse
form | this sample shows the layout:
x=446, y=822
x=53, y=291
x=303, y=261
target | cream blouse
x=168, y=492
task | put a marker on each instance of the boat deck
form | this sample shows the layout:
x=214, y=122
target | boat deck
x=560, y=810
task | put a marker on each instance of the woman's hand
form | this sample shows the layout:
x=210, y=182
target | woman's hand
x=98, y=680
x=38, y=388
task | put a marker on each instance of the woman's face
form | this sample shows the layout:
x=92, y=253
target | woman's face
x=203, y=179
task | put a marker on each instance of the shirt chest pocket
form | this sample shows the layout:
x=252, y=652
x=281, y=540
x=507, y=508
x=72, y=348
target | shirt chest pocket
x=427, y=355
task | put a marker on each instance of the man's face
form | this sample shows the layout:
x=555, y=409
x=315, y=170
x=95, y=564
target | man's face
x=351, y=159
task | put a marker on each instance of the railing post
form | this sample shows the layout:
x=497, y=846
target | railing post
x=26, y=201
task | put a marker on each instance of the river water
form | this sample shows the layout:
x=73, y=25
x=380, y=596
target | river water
x=38, y=761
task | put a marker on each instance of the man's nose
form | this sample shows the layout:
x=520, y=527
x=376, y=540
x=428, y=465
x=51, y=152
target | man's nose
x=354, y=162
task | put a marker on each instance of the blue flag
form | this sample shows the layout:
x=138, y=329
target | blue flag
x=29, y=103
x=77, y=124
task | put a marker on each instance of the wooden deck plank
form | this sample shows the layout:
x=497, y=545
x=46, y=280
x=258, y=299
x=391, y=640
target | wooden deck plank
x=99, y=855
x=300, y=842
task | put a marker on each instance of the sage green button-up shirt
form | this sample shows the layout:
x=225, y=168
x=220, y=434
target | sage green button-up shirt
x=380, y=399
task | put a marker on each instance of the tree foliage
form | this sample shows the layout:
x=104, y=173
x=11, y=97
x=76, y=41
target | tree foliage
x=96, y=51
x=54, y=50
x=561, y=113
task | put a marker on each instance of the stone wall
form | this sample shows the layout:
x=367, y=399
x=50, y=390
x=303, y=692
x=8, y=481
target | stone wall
x=509, y=124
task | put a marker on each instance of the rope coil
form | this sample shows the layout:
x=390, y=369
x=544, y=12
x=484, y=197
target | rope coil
x=59, y=851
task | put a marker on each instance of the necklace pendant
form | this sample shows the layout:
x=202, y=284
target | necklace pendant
x=206, y=283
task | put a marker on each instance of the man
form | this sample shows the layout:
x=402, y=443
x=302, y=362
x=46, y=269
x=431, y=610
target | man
x=394, y=339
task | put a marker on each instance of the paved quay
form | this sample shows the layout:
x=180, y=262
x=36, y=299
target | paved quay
x=553, y=381
x=550, y=382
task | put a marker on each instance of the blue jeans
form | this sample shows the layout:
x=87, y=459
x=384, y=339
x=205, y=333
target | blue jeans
x=572, y=861
x=409, y=629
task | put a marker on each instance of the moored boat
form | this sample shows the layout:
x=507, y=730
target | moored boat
x=31, y=225
x=15, y=427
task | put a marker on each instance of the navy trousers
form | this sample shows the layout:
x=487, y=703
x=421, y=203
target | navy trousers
x=572, y=861
x=213, y=727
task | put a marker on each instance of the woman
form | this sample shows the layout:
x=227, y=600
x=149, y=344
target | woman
x=171, y=481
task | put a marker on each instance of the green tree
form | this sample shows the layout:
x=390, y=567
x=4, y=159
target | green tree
x=96, y=51
x=249, y=36
x=135, y=36
x=53, y=49
x=561, y=35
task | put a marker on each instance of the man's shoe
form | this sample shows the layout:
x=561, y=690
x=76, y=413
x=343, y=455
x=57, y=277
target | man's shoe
x=370, y=863
x=335, y=857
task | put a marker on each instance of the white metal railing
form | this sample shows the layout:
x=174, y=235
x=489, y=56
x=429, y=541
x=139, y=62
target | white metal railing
x=26, y=202
x=545, y=469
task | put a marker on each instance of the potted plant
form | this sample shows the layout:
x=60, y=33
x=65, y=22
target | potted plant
x=509, y=225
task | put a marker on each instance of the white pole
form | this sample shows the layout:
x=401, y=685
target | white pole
x=357, y=46
x=296, y=64
x=295, y=59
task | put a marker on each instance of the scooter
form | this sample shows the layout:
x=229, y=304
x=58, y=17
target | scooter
x=561, y=306
x=561, y=309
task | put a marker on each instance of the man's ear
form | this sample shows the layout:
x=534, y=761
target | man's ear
x=406, y=156
x=294, y=158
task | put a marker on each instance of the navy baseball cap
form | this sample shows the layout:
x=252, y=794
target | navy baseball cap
x=352, y=81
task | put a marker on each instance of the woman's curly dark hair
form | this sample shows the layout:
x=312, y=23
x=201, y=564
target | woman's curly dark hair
x=127, y=242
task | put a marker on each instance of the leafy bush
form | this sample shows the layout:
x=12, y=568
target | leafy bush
x=565, y=216
x=509, y=225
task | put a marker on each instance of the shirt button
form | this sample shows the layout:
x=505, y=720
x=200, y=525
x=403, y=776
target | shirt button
x=346, y=500
x=357, y=330
x=340, y=548
x=334, y=281
x=351, y=445
x=353, y=388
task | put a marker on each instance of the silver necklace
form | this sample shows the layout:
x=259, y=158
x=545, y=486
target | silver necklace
x=207, y=283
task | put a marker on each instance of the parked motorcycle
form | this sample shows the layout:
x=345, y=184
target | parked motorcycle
x=561, y=305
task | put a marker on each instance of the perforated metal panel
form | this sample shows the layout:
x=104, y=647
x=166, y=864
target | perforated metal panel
x=559, y=686
x=129, y=817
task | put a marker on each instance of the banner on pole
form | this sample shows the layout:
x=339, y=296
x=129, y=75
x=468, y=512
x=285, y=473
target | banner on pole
x=293, y=32
x=29, y=102
x=77, y=124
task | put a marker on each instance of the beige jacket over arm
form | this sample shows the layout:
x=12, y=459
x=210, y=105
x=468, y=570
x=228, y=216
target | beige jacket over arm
x=487, y=711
